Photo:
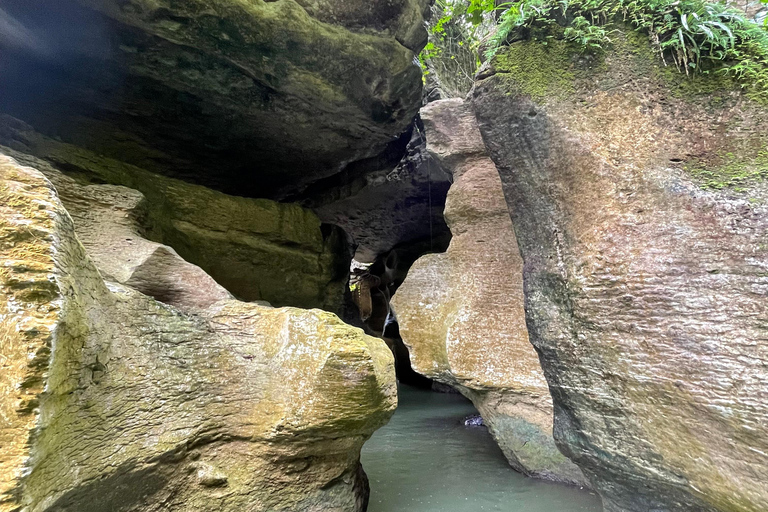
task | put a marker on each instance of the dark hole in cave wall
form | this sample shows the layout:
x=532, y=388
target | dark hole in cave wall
x=378, y=283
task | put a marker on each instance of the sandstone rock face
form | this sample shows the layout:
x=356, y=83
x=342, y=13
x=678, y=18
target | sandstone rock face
x=255, y=98
x=107, y=222
x=257, y=249
x=641, y=210
x=112, y=399
x=461, y=312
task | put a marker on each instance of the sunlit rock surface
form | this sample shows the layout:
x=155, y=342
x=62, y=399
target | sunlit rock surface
x=112, y=399
x=461, y=312
x=646, y=287
x=251, y=97
x=257, y=249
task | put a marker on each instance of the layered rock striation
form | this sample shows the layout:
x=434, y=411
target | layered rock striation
x=640, y=203
x=255, y=98
x=178, y=398
x=461, y=312
x=258, y=249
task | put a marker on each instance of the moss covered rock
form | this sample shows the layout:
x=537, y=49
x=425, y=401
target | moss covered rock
x=114, y=400
x=252, y=97
x=256, y=248
x=645, y=285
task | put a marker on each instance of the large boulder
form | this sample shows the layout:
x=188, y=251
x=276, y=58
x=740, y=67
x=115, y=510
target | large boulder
x=112, y=399
x=256, y=248
x=640, y=202
x=461, y=312
x=257, y=98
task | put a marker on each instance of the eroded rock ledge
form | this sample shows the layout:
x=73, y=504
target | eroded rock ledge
x=113, y=399
x=255, y=98
x=256, y=248
x=461, y=312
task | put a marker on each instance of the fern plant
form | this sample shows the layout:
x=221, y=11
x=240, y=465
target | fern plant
x=696, y=36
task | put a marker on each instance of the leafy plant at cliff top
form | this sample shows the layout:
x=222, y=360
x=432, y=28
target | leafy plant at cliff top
x=695, y=35
x=451, y=56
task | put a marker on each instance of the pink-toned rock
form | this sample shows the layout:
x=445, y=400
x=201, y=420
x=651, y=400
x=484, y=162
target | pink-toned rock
x=641, y=211
x=461, y=312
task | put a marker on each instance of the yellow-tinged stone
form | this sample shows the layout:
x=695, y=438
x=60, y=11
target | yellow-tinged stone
x=29, y=307
x=461, y=312
x=200, y=405
x=256, y=248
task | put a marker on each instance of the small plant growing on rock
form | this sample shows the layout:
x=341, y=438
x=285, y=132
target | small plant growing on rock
x=456, y=29
x=695, y=36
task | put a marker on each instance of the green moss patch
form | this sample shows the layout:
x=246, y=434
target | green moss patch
x=730, y=171
x=537, y=69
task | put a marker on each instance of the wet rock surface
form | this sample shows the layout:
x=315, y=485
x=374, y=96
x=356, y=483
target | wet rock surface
x=252, y=98
x=257, y=249
x=474, y=421
x=461, y=312
x=645, y=286
x=112, y=399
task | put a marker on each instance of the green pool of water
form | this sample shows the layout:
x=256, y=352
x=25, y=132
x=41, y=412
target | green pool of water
x=426, y=460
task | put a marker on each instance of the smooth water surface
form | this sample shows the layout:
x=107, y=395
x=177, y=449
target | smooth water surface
x=426, y=460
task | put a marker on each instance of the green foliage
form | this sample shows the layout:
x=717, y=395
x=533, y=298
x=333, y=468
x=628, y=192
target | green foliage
x=452, y=55
x=731, y=171
x=695, y=36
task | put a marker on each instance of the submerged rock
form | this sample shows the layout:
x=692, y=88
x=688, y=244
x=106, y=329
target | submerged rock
x=640, y=203
x=256, y=248
x=474, y=421
x=112, y=399
x=461, y=312
x=254, y=98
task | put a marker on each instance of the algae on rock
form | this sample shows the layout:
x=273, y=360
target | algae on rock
x=255, y=98
x=256, y=248
x=461, y=312
x=139, y=405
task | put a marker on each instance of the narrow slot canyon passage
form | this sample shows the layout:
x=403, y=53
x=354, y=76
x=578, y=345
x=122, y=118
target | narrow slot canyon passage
x=383, y=256
x=427, y=460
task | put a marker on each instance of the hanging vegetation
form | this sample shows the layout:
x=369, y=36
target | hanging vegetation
x=693, y=35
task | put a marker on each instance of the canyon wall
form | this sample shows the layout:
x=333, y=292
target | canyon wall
x=640, y=203
x=177, y=398
x=144, y=145
x=461, y=312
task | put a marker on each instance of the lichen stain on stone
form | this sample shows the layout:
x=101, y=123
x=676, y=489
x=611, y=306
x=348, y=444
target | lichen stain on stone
x=183, y=401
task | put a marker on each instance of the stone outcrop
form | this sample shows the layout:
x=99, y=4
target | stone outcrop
x=254, y=98
x=640, y=203
x=398, y=205
x=307, y=101
x=112, y=399
x=461, y=312
x=258, y=249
